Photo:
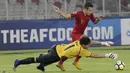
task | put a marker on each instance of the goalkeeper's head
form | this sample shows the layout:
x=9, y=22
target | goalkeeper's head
x=84, y=41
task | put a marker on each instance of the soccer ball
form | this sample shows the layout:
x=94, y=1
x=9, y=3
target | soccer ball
x=119, y=65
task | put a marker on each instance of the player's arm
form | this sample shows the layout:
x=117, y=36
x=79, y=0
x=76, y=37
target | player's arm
x=108, y=43
x=95, y=42
x=94, y=55
x=65, y=15
x=108, y=55
x=95, y=20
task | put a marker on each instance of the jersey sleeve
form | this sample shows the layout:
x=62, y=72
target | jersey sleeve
x=74, y=14
x=85, y=53
x=92, y=17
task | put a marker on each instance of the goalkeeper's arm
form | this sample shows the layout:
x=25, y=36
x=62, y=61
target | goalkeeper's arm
x=108, y=43
x=108, y=55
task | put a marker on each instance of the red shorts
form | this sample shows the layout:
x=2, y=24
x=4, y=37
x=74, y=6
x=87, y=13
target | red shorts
x=76, y=37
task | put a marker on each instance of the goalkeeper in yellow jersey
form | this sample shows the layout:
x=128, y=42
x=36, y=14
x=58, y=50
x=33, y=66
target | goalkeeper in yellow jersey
x=60, y=53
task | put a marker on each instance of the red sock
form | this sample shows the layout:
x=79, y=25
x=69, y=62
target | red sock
x=60, y=62
x=77, y=59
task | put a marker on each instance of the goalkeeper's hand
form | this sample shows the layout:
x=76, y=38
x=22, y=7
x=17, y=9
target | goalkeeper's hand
x=108, y=43
x=112, y=56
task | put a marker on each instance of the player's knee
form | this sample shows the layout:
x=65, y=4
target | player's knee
x=63, y=58
x=39, y=58
x=49, y=51
x=79, y=56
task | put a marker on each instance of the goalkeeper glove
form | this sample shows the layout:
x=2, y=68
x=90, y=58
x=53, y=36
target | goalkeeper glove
x=112, y=56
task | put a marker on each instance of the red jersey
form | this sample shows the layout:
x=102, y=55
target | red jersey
x=81, y=21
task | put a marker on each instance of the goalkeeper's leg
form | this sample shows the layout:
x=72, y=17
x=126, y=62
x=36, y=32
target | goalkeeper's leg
x=49, y=58
x=28, y=60
x=76, y=62
x=60, y=63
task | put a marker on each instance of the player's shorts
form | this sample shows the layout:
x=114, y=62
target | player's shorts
x=75, y=37
x=50, y=57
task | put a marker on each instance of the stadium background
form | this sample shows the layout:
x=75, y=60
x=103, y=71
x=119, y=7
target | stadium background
x=28, y=24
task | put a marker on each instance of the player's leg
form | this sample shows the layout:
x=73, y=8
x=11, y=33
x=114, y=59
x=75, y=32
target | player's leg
x=60, y=63
x=41, y=67
x=25, y=61
x=49, y=58
x=76, y=62
x=75, y=37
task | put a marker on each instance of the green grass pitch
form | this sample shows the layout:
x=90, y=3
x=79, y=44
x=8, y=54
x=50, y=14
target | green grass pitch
x=88, y=65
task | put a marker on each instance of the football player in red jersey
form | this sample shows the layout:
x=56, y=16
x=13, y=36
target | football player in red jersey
x=82, y=18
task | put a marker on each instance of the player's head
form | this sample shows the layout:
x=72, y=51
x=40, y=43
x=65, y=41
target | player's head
x=88, y=7
x=84, y=41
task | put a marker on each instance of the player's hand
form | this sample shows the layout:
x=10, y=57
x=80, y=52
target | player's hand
x=112, y=56
x=108, y=43
x=100, y=17
x=56, y=8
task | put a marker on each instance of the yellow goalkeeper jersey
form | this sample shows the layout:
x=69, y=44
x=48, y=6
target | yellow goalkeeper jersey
x=72, y=50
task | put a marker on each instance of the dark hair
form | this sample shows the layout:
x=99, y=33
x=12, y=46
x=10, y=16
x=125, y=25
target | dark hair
x=84, y=40
x=87, y=5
